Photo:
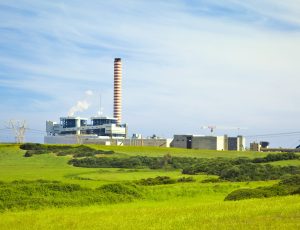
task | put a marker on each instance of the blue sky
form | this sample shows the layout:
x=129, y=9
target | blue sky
x=187, y=64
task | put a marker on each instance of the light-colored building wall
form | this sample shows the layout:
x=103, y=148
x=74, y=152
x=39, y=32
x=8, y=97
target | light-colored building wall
x=87, y=139
x=70, y=139
x=146, y=142
x=225, y=143
x=207, y=142
x=241, y=143
x=220, y=143
x=180, y=141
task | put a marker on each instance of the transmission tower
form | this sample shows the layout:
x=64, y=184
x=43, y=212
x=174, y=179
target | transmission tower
x=19, y=128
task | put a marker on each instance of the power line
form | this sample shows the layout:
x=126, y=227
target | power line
x=38, y=130
x=27, y=129
x=18, y=129
x=274, y=134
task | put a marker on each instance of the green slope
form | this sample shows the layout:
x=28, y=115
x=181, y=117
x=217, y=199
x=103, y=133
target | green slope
x=176, y=206
x=274, y=213
x=161, y=151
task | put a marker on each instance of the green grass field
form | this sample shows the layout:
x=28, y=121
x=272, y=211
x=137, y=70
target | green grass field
x=160, y=151
x=193, y=205
x=286, y=163
x=273, y=213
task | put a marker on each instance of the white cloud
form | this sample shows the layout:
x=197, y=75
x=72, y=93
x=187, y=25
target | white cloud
x=89, y=93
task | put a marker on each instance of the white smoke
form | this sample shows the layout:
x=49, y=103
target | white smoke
x=81, y=105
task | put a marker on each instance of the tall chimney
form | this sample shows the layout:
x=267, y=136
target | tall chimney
x=117, y=89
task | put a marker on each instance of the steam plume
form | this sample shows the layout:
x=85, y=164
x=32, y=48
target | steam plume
x=81, y=105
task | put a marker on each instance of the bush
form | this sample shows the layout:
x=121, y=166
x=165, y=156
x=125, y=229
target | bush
x=285, y=187
x=62, y=150
x=28, y=154
x=21, y=195
x=212, y=180
x=165, y=162
x=227, y=169
x=186, y=179
x=242, y=194
x=31, y=146
x=121, y=189
x=292, y=180
x=254, y=172
x=276, y=157
x=296, y=192
x=189, y=171
x=156, y=181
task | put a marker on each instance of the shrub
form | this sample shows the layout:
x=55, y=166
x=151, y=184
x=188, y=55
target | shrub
x=292, y=180
x=28, y=153
x=62, y=150
x=156, y=181
x=297, y=191
x=189, y=171
x=289, y=186
x=276, y=157
x=242, y=194
x=227, y=169
x=21, y=195
x=212, y=180
x=254, y=172
x=186, y=179
x=121, y=189
x=31, y=146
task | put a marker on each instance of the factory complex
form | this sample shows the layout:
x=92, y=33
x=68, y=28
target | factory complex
x=74, y=127
x=105, y=130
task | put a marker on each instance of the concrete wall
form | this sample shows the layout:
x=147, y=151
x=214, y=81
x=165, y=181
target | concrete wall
x=220, y=143
x=81, y=139
x=60, y=140
x=180, y=141
x=147, y=142
x=130, y=142
x=204, y=142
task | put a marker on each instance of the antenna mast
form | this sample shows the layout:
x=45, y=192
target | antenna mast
x=100, y=112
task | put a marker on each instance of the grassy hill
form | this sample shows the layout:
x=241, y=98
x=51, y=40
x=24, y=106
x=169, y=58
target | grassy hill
x=160, y=151
x=167, y=206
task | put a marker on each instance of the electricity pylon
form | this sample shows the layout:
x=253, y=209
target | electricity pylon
x=19, y=128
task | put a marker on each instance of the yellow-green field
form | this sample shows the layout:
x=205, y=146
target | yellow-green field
x=272, y=213
x=286, y=163
x=192, y=205
x=160, y=151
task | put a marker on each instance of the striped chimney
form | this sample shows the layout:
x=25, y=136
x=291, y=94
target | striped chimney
x=118, y=89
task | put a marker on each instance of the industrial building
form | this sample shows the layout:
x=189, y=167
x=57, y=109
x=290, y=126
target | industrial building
x=100, y=130
x=209, y=142
x=259, y=146
x=71, y=128
x=99, y=126
x=255, y=146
